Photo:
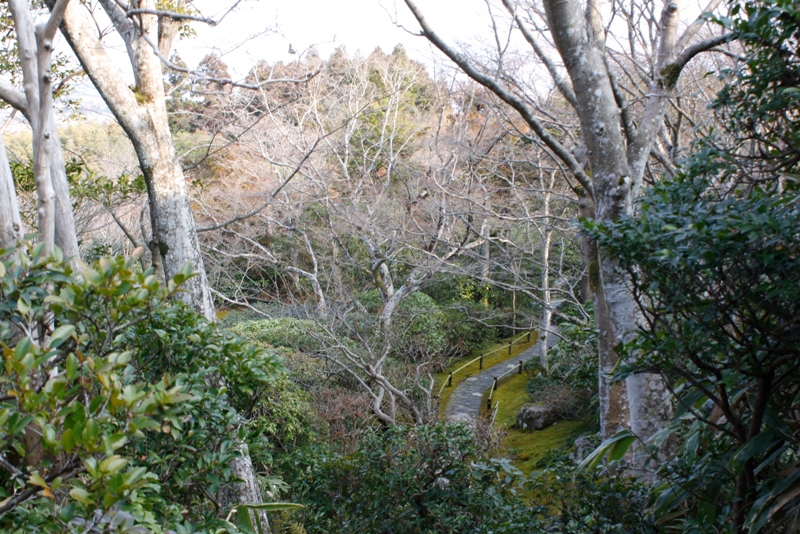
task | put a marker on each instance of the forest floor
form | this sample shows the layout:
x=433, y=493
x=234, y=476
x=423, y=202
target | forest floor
x=464, y=401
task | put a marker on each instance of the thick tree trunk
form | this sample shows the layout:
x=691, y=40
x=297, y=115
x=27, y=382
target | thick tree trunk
x=600, y=126
x=174, y=233
x=142, y=113
x=618, y=150
x=580, y=42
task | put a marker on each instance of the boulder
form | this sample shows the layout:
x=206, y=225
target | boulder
x=536, y=417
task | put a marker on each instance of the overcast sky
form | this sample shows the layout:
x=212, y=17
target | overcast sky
x=264, y=29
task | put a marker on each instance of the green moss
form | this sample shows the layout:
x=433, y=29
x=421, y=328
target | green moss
x=594, y=275
x=141, y=98
x=669, y=76
x=473, y=369
x=527, y=447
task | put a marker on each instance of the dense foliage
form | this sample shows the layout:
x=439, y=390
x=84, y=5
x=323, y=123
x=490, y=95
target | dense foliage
x=712, y=258
x=117, y=403
x=568, y=385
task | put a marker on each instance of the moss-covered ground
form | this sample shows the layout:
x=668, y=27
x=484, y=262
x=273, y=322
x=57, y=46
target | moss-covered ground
x=528, y=447
x=496, y=356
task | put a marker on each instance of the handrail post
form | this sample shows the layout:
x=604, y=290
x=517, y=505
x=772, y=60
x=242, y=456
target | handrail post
x=509, y=347
x=520, y=367
x=489, y=403
x=480, y=365
x=450, y=380
x=529, y=337
x=494, y=384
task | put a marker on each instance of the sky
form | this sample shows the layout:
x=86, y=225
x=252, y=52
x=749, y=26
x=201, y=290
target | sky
x=264, y=29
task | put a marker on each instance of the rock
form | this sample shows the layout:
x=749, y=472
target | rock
x=536, y=417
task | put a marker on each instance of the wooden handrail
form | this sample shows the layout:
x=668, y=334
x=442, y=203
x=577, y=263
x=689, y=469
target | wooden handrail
x=449, y=381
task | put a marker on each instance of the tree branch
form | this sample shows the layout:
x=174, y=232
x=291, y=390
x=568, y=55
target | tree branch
x=695, y=26
x=561, y=83
x=515, y=102
x=78, y=29
x=14, y=97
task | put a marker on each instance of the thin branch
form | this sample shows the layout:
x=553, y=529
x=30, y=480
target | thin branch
x=172, y=15
x=514, y=101
x=695, y=26
x=271, y=197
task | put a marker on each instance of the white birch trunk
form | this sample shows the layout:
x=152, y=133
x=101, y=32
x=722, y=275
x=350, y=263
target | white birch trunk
x=56, y=220
x=10, y=221
x=547, y=312
x=142, y=113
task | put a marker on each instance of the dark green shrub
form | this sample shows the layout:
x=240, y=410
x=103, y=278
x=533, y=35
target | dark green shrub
x=405, y=479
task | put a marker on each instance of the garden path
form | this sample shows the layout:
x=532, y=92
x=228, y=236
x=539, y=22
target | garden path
x=465, y=402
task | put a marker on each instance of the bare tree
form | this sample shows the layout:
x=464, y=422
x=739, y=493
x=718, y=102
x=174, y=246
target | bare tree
x=141, y=111
x=148, y=33
x=56, y=222
x=617, y=143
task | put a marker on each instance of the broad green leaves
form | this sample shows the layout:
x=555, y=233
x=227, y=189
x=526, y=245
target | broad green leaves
x=102, y=420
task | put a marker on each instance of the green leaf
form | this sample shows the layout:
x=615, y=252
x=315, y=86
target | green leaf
x=80, y=495
x=61, y=334
x=616, y=447
x=37, y=480
x=751, y=448
x=113, y=464
x=135, y=475
x=22, y=306
x=92, y=276
x=71, y=366
x=68, y=440
x=23, y=347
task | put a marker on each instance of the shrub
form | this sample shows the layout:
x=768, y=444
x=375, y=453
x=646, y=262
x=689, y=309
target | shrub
x=116, y=403
x=404, y=479
x=280, y=332
x=570, y=385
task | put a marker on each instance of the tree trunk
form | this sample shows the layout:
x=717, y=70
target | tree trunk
x=618, y=151
x=590, y=280
x=485, y=258
x=142, y=113
x=547, y=237
x=66, y=234
x=10, y=221
x=56, y=220
x=579, y=38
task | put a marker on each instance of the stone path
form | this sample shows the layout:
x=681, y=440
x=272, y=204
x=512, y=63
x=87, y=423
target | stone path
x=465, y=402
